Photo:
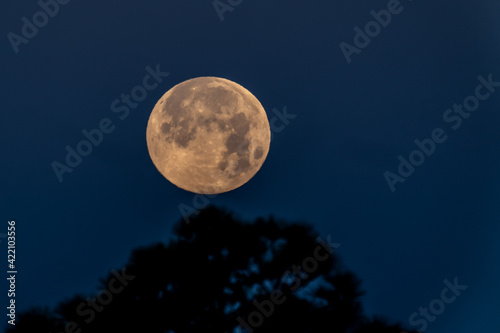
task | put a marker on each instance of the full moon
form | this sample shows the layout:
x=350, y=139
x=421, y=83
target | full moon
x=208, y=135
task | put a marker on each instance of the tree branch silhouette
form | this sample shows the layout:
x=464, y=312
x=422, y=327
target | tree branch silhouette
x=219, y=274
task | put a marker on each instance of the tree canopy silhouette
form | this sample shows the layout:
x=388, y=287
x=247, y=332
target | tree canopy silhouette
x=218, y=274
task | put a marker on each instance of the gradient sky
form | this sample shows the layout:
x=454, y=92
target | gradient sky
x=326, y=166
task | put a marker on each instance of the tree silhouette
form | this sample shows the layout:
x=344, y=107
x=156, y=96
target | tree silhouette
x=218, y=274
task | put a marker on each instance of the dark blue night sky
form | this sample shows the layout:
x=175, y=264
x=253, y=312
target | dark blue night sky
x=352, y=114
